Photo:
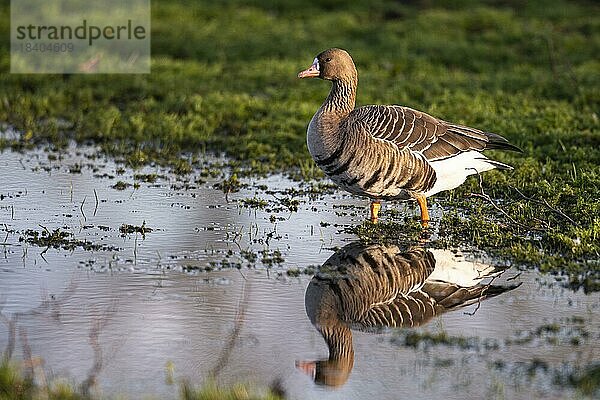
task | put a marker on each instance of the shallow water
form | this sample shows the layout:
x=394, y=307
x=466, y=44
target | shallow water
x=142, y=315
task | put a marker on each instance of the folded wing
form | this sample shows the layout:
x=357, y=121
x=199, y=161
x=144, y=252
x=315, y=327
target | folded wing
x=435, y=139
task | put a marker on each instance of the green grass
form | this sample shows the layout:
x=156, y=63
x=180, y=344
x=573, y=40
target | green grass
x=588, y=382
x=211, y=391
x=223, y=79
x=15, y=385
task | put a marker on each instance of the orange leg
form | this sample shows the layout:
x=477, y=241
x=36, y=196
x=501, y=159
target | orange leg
x=422, y=200
x=375, y=207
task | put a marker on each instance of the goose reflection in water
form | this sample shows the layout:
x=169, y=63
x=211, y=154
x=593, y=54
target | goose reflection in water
x=369, y=287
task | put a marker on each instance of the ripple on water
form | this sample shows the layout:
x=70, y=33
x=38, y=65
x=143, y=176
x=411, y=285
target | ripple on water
x=152, y=302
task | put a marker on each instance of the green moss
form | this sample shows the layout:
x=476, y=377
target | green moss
x=60, y=239
x=182, y=167
x=388, y=231
x=254, y=203
x=120, y=185
x=129, y=229
x=230, y=185
x=294, y=272
x=588, y=382
x=416, y=339
x=223, y=80
x=271, y=258
x=150, y=178
x=585, y=380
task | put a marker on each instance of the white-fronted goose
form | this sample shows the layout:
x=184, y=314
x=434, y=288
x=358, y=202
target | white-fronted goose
x=390, y=152
x=369, y=287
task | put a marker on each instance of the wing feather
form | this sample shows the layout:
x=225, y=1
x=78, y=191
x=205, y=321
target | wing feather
x=434, y=138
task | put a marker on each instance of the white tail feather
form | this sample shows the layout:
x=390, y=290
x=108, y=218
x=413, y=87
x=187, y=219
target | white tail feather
x=453, y=268
x=452, y=172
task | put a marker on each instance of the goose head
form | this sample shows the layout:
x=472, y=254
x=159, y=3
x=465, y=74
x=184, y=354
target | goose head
x=332, y=373
x=333, y=65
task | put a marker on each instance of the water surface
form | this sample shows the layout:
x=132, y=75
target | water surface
x=140, y=313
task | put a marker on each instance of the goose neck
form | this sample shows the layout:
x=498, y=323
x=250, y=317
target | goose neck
x=342, y=97
x=338, y=337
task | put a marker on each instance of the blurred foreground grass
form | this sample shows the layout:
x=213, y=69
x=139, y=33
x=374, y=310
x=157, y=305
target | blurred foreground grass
x=223, y=79
x=16, y=385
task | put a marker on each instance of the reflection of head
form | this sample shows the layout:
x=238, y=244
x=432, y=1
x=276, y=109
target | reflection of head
x=331, y=373
x=323, y=308
x=369, y=287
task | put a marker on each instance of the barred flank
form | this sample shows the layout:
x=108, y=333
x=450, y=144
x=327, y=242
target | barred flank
x=375, y=286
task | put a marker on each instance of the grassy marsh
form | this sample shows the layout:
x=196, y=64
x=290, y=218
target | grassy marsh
x=223, y=80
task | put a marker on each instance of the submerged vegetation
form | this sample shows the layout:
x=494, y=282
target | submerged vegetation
x=127, y=228
x=60, y=239
x=587, y=381
x=223, y=80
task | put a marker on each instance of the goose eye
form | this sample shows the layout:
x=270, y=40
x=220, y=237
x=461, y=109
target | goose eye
x=327, y=59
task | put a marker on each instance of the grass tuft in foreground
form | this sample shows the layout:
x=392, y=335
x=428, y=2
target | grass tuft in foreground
x=15, y=385
x=211, y=391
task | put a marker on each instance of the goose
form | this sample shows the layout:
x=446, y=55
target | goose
x=370, y=287
x=390, y=152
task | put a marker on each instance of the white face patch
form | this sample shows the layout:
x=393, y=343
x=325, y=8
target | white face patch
x=316, y=63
